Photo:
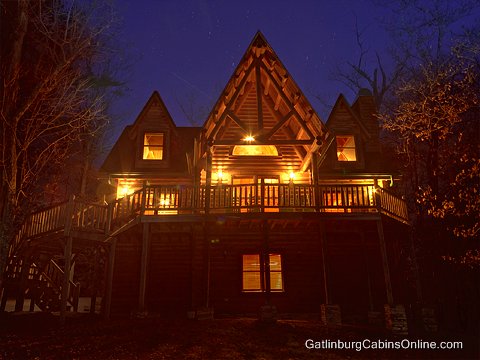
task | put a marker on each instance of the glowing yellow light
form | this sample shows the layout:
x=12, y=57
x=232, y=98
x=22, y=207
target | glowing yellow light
x=165, y=201
x=249, y=138
x=291, y=175
x=124, y=188
x=220, y=174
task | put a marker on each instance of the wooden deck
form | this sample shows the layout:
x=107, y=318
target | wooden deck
x=170, y=201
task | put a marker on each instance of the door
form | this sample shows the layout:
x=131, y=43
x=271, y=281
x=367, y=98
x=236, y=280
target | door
x=247, y=192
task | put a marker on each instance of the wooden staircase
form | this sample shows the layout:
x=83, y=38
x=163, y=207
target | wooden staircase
x=42, y=284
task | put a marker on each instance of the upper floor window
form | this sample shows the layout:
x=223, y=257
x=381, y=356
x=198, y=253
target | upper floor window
x=346, y=148
x=255, y=150
x=153, y=146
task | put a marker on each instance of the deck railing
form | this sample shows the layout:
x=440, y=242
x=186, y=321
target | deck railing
x=53, y=275
x=187, y=199
x=89, y=216
x=47, y=220
x=182, y=199
x=392, y=205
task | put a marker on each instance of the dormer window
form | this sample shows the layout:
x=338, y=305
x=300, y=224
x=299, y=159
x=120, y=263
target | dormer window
x=153, y=146
x=346, y=148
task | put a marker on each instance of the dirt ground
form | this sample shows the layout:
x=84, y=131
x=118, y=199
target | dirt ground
x=39, y=336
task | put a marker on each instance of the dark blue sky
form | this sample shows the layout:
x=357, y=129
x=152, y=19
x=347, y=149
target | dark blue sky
x=189, y=49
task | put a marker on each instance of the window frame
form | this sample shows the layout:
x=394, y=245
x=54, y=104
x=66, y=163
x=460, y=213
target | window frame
x=263, y=271
x=162, y=147
x=354, y=147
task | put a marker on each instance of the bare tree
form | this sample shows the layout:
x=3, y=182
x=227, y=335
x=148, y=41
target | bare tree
x=365, y=73
x=50, y=100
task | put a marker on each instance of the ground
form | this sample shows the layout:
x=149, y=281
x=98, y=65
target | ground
x=39, y=336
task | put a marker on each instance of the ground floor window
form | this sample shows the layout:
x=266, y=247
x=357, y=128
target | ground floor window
x=260, y=273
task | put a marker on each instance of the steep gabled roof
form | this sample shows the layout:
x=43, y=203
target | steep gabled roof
x=154, y=115
x=155, y=100
x=341, y=104
x=262, y=100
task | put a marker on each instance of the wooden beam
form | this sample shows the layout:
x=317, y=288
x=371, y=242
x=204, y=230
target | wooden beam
x=299, y=150
x=267, y=87
x=277, y=102
x=279, y=125
x=258, y=78
x=308, y=157
x=266, y=142
x=242, y=96
x=234, y=97
x=237, y=120
x=288, y=102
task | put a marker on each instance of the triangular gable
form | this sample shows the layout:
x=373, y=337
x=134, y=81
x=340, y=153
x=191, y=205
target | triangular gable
x=335, y=116
x=262, y=100
x=154, y=109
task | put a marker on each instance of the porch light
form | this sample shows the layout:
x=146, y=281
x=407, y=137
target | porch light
x=125, y=190
x=291, y=175
x=249, y=138
x=126, y=187
x=220, y=176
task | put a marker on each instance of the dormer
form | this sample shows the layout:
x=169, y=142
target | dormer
x=153, y=149
x=154, y=134
x=348, y=137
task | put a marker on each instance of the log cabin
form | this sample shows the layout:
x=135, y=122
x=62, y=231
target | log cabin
x=265, y=209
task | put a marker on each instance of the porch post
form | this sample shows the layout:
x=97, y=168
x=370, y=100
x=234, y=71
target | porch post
x=111, y=267
x=323, y=245
x=266, y=261
x=144, y=267
x=386, y=269
x=268, y=312
x=316, y=187
x=208, y=180
x=361, y=234
x=66, y=278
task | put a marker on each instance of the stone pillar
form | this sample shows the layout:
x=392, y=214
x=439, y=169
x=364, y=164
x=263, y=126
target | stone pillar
x=376, y=318
x=268, y=313
x=396, y=319
x=330, y=314
x=429, y=319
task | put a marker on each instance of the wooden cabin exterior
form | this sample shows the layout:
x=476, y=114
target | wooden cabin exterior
x=263, y=207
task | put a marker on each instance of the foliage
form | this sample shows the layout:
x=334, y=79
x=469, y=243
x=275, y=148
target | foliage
x=436, y=119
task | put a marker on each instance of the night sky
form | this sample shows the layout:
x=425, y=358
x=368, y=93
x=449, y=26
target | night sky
x=187, y=50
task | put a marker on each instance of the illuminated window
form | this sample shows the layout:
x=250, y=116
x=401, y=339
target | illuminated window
x=255, y=273
x=251, y=273
x=346, y=148
x=276, y=279
x=153, y=146
x=255, y=150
